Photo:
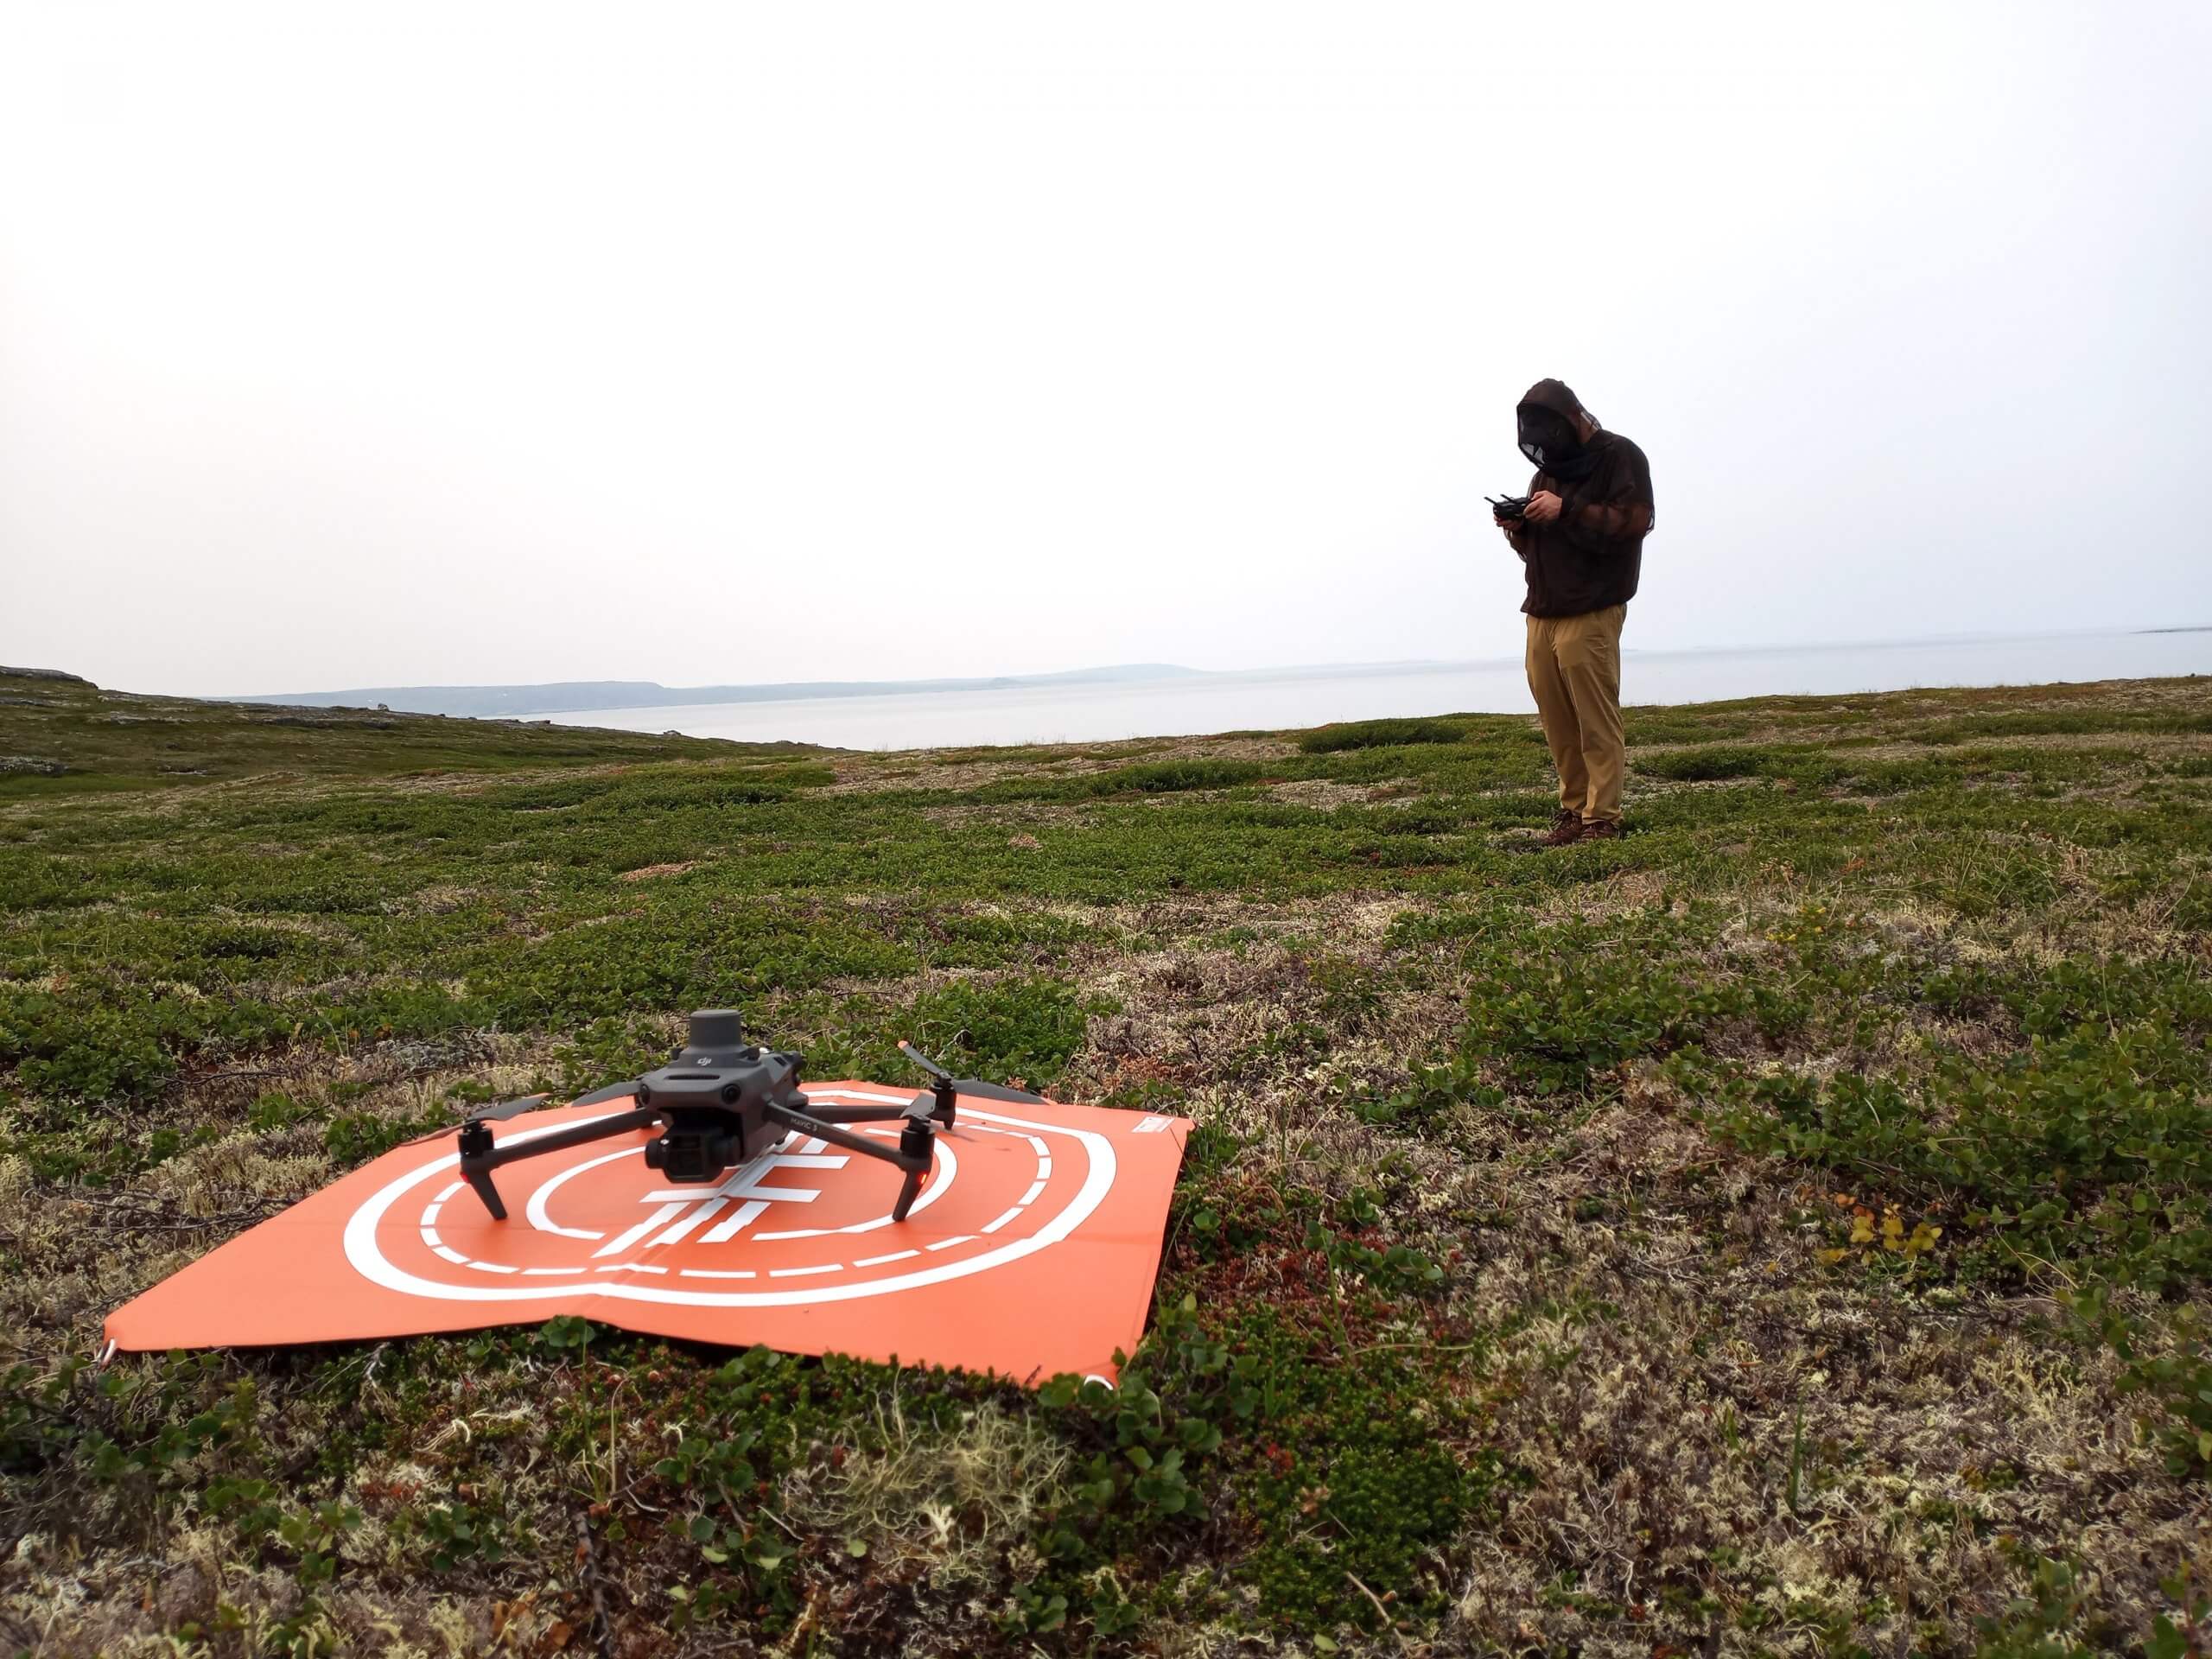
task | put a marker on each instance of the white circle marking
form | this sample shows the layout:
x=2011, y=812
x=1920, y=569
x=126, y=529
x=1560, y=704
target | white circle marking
x=366, y=1255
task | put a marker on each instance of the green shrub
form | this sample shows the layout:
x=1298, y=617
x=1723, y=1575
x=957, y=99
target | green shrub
x=1341, y=1464
x=1557, y=1007
x=353, y=1138
x=1809, y=768
x=1712, y=761
x=1432, y=1094
x=1379, y=733
x=2094, y=1146
x=1172, y=777
x=2175, y=1387
x=746, y=1426
x=1007, y=1030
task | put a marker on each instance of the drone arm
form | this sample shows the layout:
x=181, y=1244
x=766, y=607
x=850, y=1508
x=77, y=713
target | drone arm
x=857, y=1114
x=913, y=1155
x=480, y=1154
x=807, y=1123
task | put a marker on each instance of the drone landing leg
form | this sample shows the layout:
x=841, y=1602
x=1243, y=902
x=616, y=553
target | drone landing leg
x=480, y=1154
x=907, y=1189
x=476, y=1145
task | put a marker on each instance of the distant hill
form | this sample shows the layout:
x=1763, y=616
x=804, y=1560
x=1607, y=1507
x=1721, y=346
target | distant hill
x=568, y=696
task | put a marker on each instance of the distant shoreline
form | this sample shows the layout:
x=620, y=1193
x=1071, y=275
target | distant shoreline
x=1278, y=700
x=592, y=697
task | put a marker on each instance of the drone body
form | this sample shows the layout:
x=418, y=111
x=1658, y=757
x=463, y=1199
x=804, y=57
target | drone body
x=722, y=1101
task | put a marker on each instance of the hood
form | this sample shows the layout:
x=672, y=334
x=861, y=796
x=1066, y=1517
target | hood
x=1544, y=425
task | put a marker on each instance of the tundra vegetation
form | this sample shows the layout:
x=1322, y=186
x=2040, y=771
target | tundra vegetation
x=1784, y=1230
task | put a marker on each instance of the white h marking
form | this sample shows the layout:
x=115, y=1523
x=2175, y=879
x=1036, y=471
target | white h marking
x=743, y=1182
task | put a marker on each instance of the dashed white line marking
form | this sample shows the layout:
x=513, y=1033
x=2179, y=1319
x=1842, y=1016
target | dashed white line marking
x=432, y=1239
x=362, y=1249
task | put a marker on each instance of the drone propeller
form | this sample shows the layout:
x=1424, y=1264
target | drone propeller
x=924, y=1061
x=505, y=1109
x=948, y=1085
x=1005, y=1091
x=498, y=1112
x=622, y=1090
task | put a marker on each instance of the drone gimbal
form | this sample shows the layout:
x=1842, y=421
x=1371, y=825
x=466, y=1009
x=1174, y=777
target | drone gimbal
x=722, y=1101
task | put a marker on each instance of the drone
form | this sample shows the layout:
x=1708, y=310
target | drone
x=722, y=1101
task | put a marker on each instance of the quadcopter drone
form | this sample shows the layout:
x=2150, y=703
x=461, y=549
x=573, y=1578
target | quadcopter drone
x=722, y=1101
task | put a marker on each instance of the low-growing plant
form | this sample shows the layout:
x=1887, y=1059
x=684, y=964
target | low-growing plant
x=2095, y=1147
x=1172, y=777
x=2168, y=1371
x=1340, y=1462
x=1558, y=1008
x=1379, y=733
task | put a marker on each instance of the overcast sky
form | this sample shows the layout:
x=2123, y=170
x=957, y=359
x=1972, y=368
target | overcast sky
x=394, y=344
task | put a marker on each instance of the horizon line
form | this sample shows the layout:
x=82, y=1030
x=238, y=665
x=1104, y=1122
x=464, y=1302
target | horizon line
x=798, y=688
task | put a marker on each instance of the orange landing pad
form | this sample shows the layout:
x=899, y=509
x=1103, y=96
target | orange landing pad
x=1031, y=1250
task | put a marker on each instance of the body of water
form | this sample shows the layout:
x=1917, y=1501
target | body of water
x=1273, y=698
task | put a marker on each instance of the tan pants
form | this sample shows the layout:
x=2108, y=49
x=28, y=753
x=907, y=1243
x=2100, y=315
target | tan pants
x=1575, y=670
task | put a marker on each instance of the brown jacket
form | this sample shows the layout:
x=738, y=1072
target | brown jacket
x=1592, y=555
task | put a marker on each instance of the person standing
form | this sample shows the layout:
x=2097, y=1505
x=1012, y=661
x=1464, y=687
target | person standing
x=1580, y=539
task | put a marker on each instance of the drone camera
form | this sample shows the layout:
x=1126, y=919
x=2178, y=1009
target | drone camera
x=695, y=1153
x=708, y=1094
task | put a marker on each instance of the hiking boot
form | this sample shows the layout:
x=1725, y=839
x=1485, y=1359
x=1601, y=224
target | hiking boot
x=1566, y=830
x=1600, y=829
